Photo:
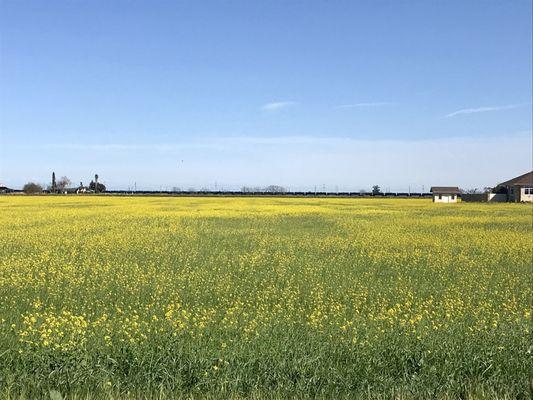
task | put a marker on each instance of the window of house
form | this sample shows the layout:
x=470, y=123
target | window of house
x=440, y=196
x=453, y=197
x=528, y=190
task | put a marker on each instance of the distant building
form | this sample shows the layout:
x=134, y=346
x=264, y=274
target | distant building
x=519, y=189
x=82, y=189
x=445, y=194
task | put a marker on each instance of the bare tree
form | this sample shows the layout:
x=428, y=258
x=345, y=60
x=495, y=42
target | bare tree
x=63, y=183
x=470, y=191
x=275, y=189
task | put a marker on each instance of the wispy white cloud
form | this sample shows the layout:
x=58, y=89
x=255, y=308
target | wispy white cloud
x=369, y=104
x=277, y=105
x=484, y=109
x=234, y=142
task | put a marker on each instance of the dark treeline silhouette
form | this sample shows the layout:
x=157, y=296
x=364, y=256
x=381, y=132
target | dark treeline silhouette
x=63, y=186
x=251, y=192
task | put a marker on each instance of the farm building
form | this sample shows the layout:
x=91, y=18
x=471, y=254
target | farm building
x=519, y=189
x=4, y=189
x=445, y=194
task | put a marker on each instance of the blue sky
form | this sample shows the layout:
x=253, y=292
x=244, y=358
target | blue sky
x=344, y=94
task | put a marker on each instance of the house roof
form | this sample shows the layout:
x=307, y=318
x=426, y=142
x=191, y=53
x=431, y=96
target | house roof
x=522, y=180
x=445, y=190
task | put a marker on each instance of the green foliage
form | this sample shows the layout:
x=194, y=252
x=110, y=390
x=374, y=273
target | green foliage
x=32, y=188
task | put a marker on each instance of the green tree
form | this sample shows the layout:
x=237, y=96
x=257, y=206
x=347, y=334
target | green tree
x=32, y=188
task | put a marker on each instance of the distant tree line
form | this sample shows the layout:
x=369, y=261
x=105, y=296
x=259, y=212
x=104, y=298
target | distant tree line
x=63, y=185
x=268, y=189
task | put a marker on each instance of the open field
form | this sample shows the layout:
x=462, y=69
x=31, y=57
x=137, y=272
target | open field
x=249, y=297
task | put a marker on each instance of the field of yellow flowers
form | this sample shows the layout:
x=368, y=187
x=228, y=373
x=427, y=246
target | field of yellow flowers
x=264, y=297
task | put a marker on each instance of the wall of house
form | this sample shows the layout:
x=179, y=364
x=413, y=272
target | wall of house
x=512, y=193
x=483, y=197
x=497, y=197
x=445, y=198
x=525, y=197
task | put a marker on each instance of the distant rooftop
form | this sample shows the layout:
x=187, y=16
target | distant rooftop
x=522, y=180
x=445, y=190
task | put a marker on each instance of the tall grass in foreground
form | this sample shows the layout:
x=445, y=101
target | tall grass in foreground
x=205, y=297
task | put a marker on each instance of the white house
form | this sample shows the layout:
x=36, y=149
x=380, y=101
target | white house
x=445, y=194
